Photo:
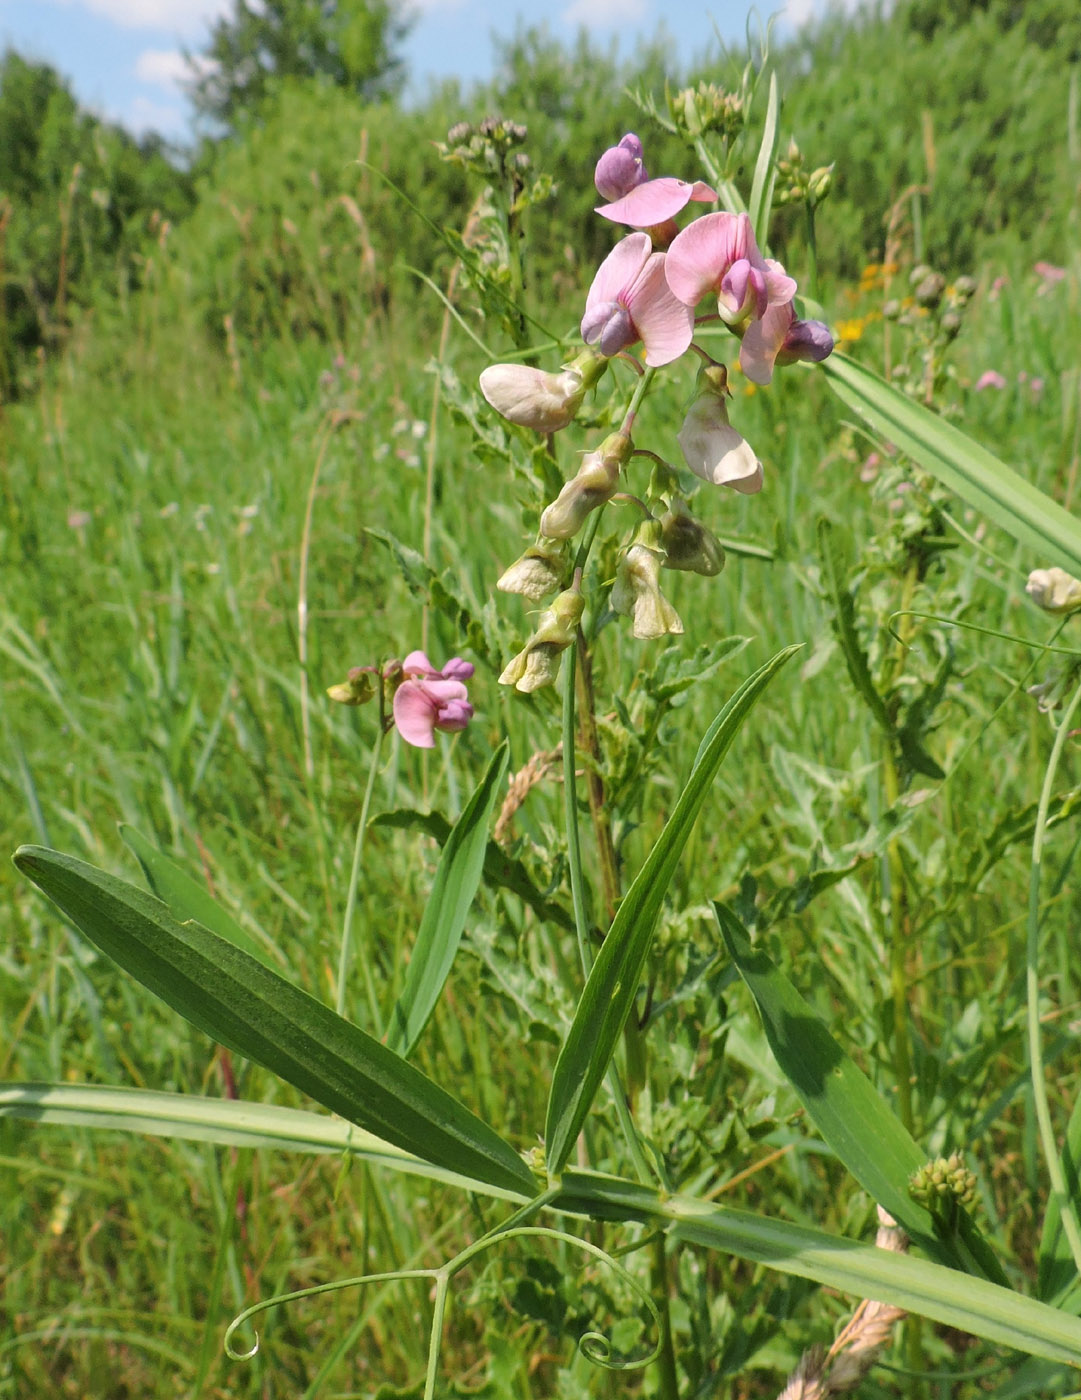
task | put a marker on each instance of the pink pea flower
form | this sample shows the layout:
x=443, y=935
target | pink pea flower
x=989, y=379
x=779, y=338
x=631, y=301
x=718, y=254
x=634, y=198
x=429, y=699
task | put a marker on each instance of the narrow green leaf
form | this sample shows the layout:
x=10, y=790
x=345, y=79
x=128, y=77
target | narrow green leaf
x=186, y=898
x=952, y=1299
x=973, y=1305
x=844, y=1105
x=444, y=916
x=612, y=986
x=227, y=1122
x=255, y=1012
x=764, y=173
x=962, y=465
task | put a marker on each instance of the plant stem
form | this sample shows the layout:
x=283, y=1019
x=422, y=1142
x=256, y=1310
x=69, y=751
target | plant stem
x=658, y=1281
x=351, y=898
x=602, y=827
x=1032, y=982
x=442, y=1285
x=812, y=252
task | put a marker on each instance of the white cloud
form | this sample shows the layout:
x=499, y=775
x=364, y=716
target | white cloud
x=798, y=12
x=144, y=116
x=163, y=67
x=602, y=14
x=181, y=16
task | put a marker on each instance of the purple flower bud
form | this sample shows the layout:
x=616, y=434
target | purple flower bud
x=620, y=169
x=805, y=340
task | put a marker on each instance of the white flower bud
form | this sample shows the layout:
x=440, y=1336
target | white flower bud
x=1054, y=590
x=711, y=446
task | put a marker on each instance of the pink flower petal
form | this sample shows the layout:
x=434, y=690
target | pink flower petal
x=761, y=342
x=455, y=715
x=616, y=274
x=664, y=323
x=779, y=286
x=703, y=252
x=417, y=664
x=458, y=670
x=651, y=203
x=415, y=713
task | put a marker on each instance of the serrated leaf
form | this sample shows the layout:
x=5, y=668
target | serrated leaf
x=226, y=993
x=612, y=986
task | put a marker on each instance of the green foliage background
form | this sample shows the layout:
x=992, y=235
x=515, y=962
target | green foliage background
x=220, y=328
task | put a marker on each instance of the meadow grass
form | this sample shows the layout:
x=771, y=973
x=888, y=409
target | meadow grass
x=155, y=487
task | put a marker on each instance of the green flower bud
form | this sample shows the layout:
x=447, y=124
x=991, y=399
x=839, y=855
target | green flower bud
x=688, y=545
x=595, y=483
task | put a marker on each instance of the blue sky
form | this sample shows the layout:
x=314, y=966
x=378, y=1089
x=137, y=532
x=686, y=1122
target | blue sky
x=123, y=57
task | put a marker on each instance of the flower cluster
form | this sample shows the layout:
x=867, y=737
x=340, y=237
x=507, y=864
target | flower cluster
x=645, y=293
x=422, y=697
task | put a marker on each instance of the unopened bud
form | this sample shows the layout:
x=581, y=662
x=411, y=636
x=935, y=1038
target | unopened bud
x=688, y=545
x=595, y=483
x=535, y=399
x=1054, y=590
x=357, y=689
x=929, y=289
x=537, y=664
x=820, y=183
x=538, y=572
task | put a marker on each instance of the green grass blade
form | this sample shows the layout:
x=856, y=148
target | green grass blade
x=762, y=186
x=612, y=985
x=962, y=465
x=225, y=1122
x=844, y=1105
x=255, y=1012
x=186, y=898
x=443, y=920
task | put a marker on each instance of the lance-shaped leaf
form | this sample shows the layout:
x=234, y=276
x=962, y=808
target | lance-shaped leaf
x=847, y=1109
x=973, y=1305
x=228, y=1122
x=765, y=169
x=612, y=985
x=444, y=916
x=962, y=465
x=251, y=1010
x=186, y=898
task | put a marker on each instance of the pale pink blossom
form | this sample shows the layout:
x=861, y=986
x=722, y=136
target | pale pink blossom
x=1049, y=274
x=989, y=379
x=430, y=699
x=711, y=447
x=633, y=198
x=631, y=301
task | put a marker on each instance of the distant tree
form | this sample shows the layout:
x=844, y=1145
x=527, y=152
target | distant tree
x=79, y=200
x=352, y=44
